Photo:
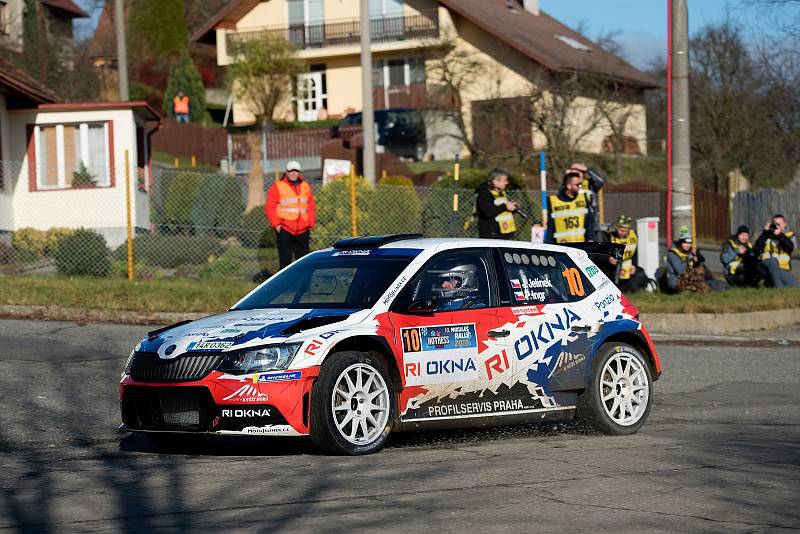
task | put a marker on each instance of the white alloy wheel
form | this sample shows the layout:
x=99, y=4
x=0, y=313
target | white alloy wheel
x=625, y=389
x=360, y=404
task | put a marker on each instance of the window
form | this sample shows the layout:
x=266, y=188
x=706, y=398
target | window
x=452, y=281
x=403, y=71
x=72, y=155
x=539, y=277
x=385, y=8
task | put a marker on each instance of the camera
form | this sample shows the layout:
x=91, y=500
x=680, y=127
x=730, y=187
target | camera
x=773, y=227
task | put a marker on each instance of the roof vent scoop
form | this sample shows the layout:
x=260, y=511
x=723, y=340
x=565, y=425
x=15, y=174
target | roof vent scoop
x=532, y=6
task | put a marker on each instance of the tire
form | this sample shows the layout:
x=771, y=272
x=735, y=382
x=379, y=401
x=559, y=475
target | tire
x=353, y=404
x=619, y=395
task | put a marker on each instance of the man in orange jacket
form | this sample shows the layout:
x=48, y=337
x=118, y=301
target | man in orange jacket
x=291, y=212
x=181, y=107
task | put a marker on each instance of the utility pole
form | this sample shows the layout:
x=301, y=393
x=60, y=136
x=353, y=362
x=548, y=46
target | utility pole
x=122, y=51
x=681, y=147
x=367, y=112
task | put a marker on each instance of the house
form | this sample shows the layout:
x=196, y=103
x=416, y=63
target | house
x=63, y=164
x=55, y=21
x=513, y=39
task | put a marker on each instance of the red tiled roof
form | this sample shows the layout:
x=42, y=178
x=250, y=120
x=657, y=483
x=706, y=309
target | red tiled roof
x=19, y=82
x=78, y=106
x=546, y=41
x=68, y=6
x=227, y=17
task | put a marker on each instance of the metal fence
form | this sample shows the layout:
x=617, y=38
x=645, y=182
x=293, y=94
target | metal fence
x=213, y=225
x=755, y=209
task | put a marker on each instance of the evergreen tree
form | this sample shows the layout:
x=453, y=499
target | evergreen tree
x=183, y=76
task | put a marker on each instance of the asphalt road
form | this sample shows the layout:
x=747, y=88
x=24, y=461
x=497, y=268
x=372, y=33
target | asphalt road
x=720, y=453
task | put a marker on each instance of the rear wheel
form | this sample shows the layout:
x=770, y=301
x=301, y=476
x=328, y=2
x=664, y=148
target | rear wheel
x=619, y=395
x=353, y=404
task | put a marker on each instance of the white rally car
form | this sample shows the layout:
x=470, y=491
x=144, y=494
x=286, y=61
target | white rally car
x=390, y=333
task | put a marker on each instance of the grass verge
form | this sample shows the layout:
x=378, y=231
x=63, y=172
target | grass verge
x=732, y=301
x=168, y=295
x=190, y=295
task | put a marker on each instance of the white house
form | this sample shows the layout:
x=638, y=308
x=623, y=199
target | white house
x=64, y=163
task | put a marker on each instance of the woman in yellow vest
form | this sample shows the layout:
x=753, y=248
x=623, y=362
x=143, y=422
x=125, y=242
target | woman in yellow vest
x=495, y=211
x=775, y=246
x=740, y=264
x=569, y=215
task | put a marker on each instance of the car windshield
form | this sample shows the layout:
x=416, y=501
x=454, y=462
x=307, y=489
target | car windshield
x=328, y=280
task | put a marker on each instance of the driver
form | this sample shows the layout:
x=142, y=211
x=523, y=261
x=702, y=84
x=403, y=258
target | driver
x=457, y=288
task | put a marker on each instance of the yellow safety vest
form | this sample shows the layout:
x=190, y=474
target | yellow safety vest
x=733, y=266
x=291, y=205
x=630, y=242
x=684, y=256
x=772, y=250
x=569, y=218
x=506, y=218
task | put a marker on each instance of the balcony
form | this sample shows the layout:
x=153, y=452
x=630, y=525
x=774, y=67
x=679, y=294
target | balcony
x=347, y=32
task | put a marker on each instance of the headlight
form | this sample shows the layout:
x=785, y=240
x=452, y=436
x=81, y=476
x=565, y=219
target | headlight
x=128, y=365
x=259, y=359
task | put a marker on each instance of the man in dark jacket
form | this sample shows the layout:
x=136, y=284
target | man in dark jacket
x=740, y=264
x=775, y=246
x=495, y=212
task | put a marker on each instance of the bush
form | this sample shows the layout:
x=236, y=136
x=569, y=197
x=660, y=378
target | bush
x=256, y=231
x=171, y=251
x=7, y=254
x=395, y=209
x=32, y=244
x=218, y=208
x=181, y=193
x=333, y=211
x=83, y=253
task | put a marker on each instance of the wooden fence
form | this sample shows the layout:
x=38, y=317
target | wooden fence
x=288, y=144
x=208, y=145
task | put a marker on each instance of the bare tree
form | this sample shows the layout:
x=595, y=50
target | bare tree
x=255, y=179
x=616, y=104
x=263, y=72
x=564, y=112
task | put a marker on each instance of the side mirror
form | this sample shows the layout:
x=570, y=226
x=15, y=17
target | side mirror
x=422, y=307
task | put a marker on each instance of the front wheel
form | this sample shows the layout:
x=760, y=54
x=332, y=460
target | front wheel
x=353, y=404
x=619, y=395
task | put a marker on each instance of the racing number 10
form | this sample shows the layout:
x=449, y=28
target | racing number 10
x=411, y=340
x=573, y=278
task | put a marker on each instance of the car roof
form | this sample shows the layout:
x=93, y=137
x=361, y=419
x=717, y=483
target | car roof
x=450, y=243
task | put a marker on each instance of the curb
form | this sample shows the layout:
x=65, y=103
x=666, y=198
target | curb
x=657, y=323
x=719, y=323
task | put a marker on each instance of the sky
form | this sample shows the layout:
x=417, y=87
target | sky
x=643, y=23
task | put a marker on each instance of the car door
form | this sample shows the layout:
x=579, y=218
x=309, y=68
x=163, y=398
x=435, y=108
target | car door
x=546, y=293
x=445, y=335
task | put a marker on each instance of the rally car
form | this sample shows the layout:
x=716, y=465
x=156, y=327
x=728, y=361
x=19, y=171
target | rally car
x=390, y=333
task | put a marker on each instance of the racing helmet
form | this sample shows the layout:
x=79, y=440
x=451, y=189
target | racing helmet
x=459, y=281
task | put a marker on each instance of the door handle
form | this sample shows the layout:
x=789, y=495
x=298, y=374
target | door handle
x=579, y=328
x=499, y=333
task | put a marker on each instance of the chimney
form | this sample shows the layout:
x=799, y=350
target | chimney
x=531, y=5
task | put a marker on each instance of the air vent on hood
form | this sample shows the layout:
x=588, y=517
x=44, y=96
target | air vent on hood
x=313, y=322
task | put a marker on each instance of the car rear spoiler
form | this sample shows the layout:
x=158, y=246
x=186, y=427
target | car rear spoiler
x=595, y=248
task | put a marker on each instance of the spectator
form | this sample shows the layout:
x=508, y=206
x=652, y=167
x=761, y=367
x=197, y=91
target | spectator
x=741, y=265
x=592, y=181
x=495, y=212
x=569, y=219
x=181, y=107
x=631, y=277
x=683, y=265
x=291, y=212
x=775, y=246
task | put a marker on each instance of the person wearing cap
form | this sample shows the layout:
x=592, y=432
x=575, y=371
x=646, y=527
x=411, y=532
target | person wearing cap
x=775, y=246
x=681, y=258
x=631, y=278
x=494, y=210
x=740, y=264
x=291, y=212
x=569, y=217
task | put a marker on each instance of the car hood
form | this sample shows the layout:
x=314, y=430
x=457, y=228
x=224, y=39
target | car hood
x=238, y=329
